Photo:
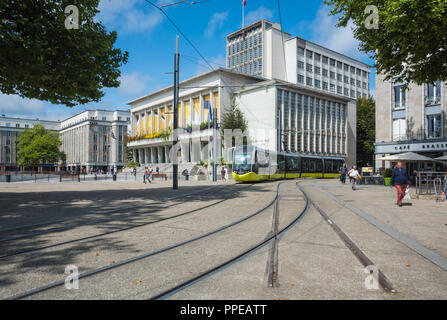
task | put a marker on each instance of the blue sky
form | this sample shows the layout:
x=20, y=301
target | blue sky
x=150, y=40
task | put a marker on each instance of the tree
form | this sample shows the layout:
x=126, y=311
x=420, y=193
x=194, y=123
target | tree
x=410, y=42
x=40, y=58
x=366, y=130
x=38, y=146
x=233, y=118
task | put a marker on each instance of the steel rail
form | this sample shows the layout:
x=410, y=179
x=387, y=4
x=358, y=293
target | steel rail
x=110, y=232
x=203, y=275
x=153, y=253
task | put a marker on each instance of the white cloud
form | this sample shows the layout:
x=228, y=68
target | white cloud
x=133, y=83
x=325, y=33
x=258, y=14
x=14, y=105
x=127, y=17
x=216, y=23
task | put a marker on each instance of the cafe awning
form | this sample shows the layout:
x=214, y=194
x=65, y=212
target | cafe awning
x=407, y=156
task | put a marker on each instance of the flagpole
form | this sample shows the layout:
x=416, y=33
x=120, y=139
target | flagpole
x=243, y=15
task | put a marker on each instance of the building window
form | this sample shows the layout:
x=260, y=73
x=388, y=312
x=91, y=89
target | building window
x=339, y=90
x=325, y=60
x=308, y=67
x=399, y=129
x=332, y=75
x=399, y=97
x=434, y=126
x=300, y=65
x=300, y=51
x=300, y=78
x=325, y=86
x=26, y=126
x=17, y=125
x=332, y=86
x=309, y=54
x=325, y=72
x=317, y=83
x=433, y=93
x=309, y=81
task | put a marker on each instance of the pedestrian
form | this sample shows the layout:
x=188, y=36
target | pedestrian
x=157, y=170
x=399, y=180
x=353, y=176
x=343, y=172
x=444, y=189
x=222, y=172
x=146, y=176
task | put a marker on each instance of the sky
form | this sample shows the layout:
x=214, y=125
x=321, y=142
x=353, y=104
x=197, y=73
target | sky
x=150, y=40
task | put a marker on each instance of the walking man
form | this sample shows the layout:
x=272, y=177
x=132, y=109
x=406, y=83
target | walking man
x=343, y=171
x=400, y=181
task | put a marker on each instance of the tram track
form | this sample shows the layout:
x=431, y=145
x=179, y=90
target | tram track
x=138, y=225
x=272, y=237
x=128, y=261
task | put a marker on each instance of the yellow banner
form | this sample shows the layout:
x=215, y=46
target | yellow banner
x=197, y=110
x=216, y=101
x=155, y=121
x=149, y=123
x=187, y=114
x=170, y=117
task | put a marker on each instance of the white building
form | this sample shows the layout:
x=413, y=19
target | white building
x=95, y=139
x=9, y=130
x=153, y=114
x=91, y=139
x=297, y=96
x=265, y=50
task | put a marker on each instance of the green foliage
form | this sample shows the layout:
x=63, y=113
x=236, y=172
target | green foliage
x=366, y=130
x=38, y=146
x=411, y=40
x=132, y=164
x=388, y=173
x=41, y=59
x=128, y=152
x=233, y=118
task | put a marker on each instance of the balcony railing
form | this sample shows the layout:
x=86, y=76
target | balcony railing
x=432, y=100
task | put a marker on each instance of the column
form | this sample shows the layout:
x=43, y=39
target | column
x=167, y=159
x=160, y=154
x=147, y=155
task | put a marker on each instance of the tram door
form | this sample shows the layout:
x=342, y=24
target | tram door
x=263, y=163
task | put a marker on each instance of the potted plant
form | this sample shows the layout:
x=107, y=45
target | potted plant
x=387, y=176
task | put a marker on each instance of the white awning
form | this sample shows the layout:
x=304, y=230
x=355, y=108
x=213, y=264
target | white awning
x=407, y=156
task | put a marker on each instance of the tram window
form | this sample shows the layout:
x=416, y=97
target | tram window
x=293, y=164
x=281, y=163
x=319, y=165
x=262, y=159
x=328, y=166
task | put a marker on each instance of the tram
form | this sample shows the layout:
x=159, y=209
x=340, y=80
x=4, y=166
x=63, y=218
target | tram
x=251, y=163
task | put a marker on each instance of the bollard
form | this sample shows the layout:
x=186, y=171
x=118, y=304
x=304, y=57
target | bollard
x=114, y=177
x=60, y=177
x=79, y=178
x=8, y=178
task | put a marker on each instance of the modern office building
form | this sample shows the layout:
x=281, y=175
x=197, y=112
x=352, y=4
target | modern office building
x=91, y=139
x=410, y=120
x=95, y=139
x=297, y=97
x=9, y=131
x=264, y=49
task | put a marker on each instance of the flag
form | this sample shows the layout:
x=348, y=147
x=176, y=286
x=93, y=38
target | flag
x=244, y=2
x=207, y=106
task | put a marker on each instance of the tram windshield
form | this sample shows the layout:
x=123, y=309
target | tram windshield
x=243, y=159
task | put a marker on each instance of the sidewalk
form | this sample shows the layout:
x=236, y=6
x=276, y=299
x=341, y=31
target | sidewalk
x=421, y=220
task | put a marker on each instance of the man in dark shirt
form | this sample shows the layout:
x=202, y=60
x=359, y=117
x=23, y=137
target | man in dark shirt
x=400, y=181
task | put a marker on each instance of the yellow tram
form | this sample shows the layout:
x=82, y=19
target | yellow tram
x=251, y=163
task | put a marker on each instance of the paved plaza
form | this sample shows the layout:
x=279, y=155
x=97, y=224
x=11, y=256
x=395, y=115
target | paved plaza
x=137, y=241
